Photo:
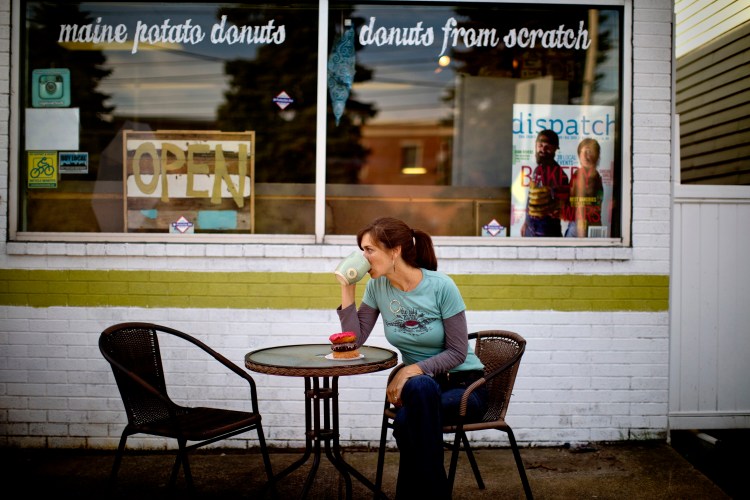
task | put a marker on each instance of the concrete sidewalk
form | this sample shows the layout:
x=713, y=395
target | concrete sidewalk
x=632, y=470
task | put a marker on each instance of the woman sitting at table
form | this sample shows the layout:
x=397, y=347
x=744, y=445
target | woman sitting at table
x=424, y=318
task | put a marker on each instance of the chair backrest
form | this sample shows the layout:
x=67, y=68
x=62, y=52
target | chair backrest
x=499, y=350
x=132, y=349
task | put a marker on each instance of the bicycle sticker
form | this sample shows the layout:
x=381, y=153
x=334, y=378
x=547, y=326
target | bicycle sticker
x=42, y=169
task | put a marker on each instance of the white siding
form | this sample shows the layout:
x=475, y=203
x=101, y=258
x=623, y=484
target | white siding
x=710, y=340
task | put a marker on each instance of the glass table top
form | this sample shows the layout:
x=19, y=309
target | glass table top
x=310, y=360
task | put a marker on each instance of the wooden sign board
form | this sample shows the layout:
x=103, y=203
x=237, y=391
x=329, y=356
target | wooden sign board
x=189, y=181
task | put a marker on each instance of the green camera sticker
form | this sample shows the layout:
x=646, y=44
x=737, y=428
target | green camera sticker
x=50, y=88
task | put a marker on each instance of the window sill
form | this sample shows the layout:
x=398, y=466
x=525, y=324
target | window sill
x=286, y=246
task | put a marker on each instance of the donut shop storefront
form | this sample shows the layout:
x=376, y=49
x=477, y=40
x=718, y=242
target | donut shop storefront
x=206, y=164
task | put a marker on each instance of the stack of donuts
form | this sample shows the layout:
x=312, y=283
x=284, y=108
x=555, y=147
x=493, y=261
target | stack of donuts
x=343, y=345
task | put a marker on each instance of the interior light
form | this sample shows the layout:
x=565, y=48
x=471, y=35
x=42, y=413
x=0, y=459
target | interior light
x=444, y=61
x=413, y=170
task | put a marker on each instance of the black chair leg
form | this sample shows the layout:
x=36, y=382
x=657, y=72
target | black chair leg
x=455, y=448
x=266, y=461
x=472, y=461
x=381, y=459
x=186, y=466
x=118, y=458
x=182, y=459
x=175, y=470
x=519, y=464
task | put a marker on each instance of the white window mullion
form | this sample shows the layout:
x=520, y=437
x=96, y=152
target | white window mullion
x=320, y=135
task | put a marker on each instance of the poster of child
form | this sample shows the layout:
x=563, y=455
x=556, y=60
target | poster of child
x=586, y=191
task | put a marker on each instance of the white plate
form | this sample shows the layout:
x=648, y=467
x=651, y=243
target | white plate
x=330, y=356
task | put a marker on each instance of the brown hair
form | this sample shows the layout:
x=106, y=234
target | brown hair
x=551, y=137
x=416, y=245
x=591, y=143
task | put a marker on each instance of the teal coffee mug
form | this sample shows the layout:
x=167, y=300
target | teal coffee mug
x=352, y=269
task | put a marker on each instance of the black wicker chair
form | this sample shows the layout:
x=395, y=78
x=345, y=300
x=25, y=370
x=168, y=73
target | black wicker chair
x=132, y=349
x=501, y=353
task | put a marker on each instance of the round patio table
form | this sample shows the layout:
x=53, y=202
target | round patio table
x=321, y=384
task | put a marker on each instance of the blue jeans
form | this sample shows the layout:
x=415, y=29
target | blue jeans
x=418, y=429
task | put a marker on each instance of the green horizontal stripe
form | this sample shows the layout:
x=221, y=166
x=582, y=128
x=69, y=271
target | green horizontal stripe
x=234, y=290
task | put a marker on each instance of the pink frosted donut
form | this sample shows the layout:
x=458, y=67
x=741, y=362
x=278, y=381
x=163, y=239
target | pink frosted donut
x=342, y=338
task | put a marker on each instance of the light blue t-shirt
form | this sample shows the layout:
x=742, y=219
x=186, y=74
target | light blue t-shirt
x=413, y=320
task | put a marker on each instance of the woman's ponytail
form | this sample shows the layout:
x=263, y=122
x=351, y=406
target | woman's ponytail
x=416, y=245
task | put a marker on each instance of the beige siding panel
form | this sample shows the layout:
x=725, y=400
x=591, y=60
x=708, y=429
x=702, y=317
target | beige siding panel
x=720, y=116
x=707, y=134
x=717, y=101
x=698, y=77
x=695, y=123
x=728, y=173
x=706, y=93
x=714, y=141
x=713, y=102
x=698, y=22
x=724, y=151
x=717, y=50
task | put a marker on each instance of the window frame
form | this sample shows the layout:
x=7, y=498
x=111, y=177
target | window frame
x=320, y=237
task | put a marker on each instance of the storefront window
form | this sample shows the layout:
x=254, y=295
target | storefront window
x=445, y=103
x=202, y=117
x=164, y=117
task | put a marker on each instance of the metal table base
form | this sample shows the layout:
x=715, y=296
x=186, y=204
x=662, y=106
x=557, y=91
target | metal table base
x=322, y=434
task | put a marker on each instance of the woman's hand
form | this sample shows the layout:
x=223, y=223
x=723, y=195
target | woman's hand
x=399, y=380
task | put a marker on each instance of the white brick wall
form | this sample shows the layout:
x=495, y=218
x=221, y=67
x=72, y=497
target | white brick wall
x=4, y=116
x=585, y=377
x=601, y=377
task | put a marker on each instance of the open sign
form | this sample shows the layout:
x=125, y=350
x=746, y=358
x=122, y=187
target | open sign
x=205, y=176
